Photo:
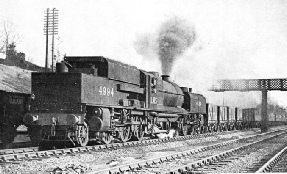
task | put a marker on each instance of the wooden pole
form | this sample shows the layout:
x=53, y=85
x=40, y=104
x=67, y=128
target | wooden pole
x=47, y=24
x=53, y=32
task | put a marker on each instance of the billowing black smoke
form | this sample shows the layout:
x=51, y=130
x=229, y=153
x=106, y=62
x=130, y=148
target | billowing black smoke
x=175, y=37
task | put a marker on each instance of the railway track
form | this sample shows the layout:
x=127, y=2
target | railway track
x=275, y=164
x=19, y=154
x=176, y=162
x=73, y=159
x=225, y=161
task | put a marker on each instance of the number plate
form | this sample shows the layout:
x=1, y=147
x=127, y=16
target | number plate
x=106, y=91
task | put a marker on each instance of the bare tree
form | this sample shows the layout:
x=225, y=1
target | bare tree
x=8, y=34
x=59, y=55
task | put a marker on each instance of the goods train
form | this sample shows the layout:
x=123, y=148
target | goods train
x=96, y=98
x=252, y=116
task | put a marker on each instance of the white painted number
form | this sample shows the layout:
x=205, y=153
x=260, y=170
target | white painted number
x=106, y=91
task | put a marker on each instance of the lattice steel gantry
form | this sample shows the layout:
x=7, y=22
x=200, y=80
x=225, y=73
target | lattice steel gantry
x=263, y=85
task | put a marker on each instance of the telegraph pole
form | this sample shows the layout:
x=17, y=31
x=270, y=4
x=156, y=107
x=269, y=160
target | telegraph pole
x=50, y=28
x=47, y=39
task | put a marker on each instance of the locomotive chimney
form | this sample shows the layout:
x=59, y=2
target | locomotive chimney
x=165, y=77
x=184, y=89
x=190, y=90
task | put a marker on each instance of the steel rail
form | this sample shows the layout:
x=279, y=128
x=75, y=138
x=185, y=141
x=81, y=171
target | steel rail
x=217, y=157
x=26, y=153
x=149, y=162
x=267, y=167
x=18, y=150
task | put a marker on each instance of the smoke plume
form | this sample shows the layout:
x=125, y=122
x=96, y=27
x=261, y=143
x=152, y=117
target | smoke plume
x=175, y=37
x=171, y=40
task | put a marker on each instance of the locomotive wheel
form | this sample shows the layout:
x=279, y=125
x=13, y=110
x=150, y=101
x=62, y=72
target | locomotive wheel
x=184, y=130
x=124, y=133
x=195, y=130
x=208, y=129
x=106, y=137
x=138, y=132
x=83, y=135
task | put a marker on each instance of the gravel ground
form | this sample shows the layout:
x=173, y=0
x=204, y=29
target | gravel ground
x=168, y=166
x=109, y=158
x=256, y=155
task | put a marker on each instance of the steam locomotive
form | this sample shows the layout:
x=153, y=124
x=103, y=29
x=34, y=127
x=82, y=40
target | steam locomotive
x=96, y=98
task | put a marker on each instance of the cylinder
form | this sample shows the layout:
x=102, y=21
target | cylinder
x=100, y=122
x=95, y=124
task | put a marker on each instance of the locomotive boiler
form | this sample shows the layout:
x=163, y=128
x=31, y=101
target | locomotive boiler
x=96, y=98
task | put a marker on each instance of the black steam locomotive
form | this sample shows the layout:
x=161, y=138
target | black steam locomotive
x=95, y=98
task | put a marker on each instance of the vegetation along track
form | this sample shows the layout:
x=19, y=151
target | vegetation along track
x=177, y=162
x=12, y=155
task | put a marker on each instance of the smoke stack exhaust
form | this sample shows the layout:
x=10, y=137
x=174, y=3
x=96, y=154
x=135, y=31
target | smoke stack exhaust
x=174, y=38
x=165, y=77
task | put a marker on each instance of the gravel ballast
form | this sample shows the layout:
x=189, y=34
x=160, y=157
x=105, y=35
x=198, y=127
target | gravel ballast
x=108, y=158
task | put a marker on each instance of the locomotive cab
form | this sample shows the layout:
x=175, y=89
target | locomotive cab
x=97, y=67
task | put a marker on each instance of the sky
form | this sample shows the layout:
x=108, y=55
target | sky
x=234, y=38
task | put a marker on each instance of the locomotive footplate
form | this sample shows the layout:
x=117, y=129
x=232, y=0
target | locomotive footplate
x=128, y=123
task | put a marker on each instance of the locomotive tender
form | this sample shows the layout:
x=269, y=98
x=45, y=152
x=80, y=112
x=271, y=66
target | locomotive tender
x=96, y=98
